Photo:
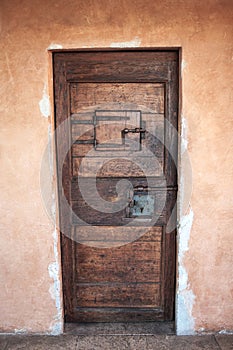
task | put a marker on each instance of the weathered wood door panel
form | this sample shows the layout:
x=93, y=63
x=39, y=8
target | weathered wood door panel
x=116, y=120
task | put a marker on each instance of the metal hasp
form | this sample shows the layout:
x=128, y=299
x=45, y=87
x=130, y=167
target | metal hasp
x=140, y=131
x=141, y=204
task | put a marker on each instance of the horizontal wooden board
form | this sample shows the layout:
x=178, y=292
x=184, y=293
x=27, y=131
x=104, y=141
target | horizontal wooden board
x=81, y=314
x=119, y=295
x=134, y=262
x=107, y=185
x=142, y=96
x=108, y=236
x=83, y=123
x=135, y=165
x=104, y=201
x=118, y=66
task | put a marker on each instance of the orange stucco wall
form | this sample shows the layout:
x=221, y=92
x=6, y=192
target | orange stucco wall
x=29, y=279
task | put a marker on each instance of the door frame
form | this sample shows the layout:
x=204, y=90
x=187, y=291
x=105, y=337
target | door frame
x=178, y=50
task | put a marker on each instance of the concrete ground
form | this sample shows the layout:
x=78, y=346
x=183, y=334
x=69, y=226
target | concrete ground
x=117, y=336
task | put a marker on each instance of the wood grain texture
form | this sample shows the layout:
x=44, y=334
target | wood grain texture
x=133, y=262
x=119, y=295
x=140, y=314
x=92, y=204
x=121, y=66
x=149, y=96
x=117, y=273
x=113, y=165
x=63, y=176
x=135, y=105
x=110, y=236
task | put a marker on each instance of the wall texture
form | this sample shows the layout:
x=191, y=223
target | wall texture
x=29, y=266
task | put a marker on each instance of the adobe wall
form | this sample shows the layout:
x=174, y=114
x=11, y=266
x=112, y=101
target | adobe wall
x=30, y=257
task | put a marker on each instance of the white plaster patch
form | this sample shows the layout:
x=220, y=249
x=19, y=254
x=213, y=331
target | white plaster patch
x=21, y=331
x=136, y=42
x=55, y=47
x=185, y=298
x=184, y=233
x=184, y=129
x=225, y=331
x=183, y=279
x=185, y=322
x=44, y=104
x=51, y=168
x=56, y=327
x=183, y=65
x=48, y=194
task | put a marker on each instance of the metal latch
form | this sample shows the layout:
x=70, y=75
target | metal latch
x=134, y=131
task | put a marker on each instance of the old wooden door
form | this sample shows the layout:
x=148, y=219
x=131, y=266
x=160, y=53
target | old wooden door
x=116, y=120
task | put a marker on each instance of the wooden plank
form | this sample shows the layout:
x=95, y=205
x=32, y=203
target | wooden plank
x=118, y=66
x=92, y=205
x=148, y=97
x=117, y=314
x=63, y=177
x=109, y=186
x=82, y=132
x=169, y=274
x=133, y=262
x=109, y=236
x=83, y=214
x=115, y=295
x=111, y=165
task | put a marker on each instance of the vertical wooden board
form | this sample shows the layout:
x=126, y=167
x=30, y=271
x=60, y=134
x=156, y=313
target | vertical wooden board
x=63, y=163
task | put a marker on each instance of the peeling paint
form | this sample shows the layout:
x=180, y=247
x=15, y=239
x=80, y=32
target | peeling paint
x=44, y=104
x=54, y=47
x=185, y=171
x=184, y=141
x=56, y=326
x=225, y=331
x=136, y=42
x=185, y=323
x=47, y=175
x=48, y=194
x=185, y=298
x=183, y=65
x=184, y=230
x=51, y=170
x=21, y=331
